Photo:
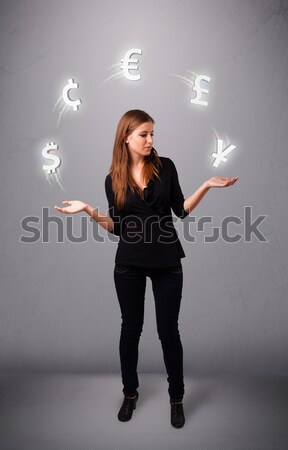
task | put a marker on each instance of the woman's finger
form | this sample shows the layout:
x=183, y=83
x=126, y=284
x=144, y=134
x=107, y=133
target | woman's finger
x=63, y=210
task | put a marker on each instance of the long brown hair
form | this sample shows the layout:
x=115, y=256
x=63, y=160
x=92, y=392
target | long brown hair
x=120, y=166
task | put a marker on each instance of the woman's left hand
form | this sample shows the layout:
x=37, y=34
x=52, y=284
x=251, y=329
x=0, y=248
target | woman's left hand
x=220, y=182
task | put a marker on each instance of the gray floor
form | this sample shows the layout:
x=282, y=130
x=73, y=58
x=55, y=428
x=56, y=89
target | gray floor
x=79, y=412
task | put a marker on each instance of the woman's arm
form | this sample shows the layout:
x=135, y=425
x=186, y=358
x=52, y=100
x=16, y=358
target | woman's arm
x=76, y=206
x=105, y=221
x=191, y=202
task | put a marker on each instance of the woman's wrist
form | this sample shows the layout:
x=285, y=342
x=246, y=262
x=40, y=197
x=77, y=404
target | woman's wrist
x=88, y=209
x=206, y=186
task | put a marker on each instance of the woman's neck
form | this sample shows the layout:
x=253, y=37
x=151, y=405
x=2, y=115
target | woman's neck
x=137, y=163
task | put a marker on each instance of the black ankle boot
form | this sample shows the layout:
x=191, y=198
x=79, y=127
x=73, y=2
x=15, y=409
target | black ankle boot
x=126, y=410
x=177, y=415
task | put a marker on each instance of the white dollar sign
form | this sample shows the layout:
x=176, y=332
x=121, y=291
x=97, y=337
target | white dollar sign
x=74, y=103
x=57, y=161
x=127, y=64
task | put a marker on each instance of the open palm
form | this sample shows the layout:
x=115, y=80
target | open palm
x=75, y=206
x=221, y=182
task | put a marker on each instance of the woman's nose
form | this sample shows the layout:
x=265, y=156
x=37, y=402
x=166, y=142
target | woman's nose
x=149, y=138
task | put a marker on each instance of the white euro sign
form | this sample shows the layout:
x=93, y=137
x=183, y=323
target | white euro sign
x=129, y=63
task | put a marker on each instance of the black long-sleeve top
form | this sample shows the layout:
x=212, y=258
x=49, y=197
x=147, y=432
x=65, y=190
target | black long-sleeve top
x=147, y=234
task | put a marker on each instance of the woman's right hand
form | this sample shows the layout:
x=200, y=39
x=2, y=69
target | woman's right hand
x=75, y=207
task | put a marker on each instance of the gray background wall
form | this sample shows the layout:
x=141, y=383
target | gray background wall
x=59, y=310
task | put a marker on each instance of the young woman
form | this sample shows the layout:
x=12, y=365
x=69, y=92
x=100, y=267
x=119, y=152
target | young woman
x=142, y=188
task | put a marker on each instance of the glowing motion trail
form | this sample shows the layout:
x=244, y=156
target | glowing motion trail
x=193, y=81
x=125, y=66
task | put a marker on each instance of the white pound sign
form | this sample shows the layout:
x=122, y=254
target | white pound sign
x=200, y=90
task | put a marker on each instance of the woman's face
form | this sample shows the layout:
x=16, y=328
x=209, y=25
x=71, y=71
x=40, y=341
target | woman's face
x=140, y=141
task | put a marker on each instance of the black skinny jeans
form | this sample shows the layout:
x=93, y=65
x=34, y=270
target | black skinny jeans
x=130, y=283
